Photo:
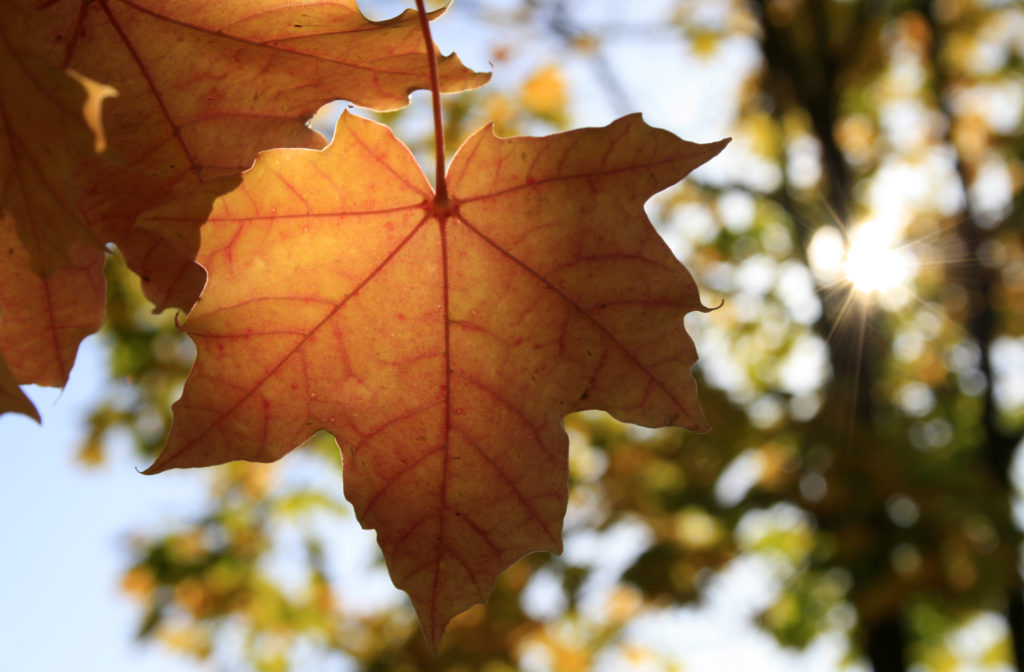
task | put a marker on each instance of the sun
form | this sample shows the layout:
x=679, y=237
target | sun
x=874, y=263
x=869, y=258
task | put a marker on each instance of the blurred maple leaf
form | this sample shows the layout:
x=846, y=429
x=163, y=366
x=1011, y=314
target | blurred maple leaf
x=204, y=86
x=49, y=123
x=201, y=88
x=545, y=94
x=51, y=262
x=441, y=344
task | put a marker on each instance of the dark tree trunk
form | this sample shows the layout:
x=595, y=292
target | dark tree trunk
x=812, y=81
x=887, y=642
x=1015, y=619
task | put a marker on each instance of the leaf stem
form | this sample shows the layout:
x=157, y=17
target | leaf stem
x=441, y=189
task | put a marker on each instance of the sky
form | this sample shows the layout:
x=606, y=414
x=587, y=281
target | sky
x=64, y=544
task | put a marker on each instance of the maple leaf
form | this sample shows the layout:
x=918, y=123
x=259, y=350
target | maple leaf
x=48, y=124
x=205, y=85
x=51, y=282
x=185, y=114
x=441, y=344
x=43, y=319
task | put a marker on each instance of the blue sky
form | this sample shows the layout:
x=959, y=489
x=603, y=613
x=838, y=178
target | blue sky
x=64, y=529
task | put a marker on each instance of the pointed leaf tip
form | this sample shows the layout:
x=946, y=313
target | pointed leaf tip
x=12, y=399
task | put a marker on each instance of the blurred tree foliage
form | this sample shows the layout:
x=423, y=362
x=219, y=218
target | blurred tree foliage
x=864, y=438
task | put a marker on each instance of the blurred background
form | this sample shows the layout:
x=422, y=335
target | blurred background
x=857, y=505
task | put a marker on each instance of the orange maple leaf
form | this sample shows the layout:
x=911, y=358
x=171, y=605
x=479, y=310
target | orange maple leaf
x=441, y=344
x=43, y=319
x=205, y=85
x=51, y=281
x=48, y=126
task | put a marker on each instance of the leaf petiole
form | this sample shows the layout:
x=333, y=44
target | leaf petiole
x=441, y=188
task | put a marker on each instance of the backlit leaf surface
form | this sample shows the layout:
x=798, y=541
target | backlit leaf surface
x=205, y=85
x=43, y=319
x=442, y=346
x=51, y=282
x=43, y=138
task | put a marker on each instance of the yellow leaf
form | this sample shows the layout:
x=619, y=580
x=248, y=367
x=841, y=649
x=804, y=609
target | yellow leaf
x=545, y=93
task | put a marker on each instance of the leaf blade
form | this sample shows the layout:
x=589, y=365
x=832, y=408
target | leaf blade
x=441, y=347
